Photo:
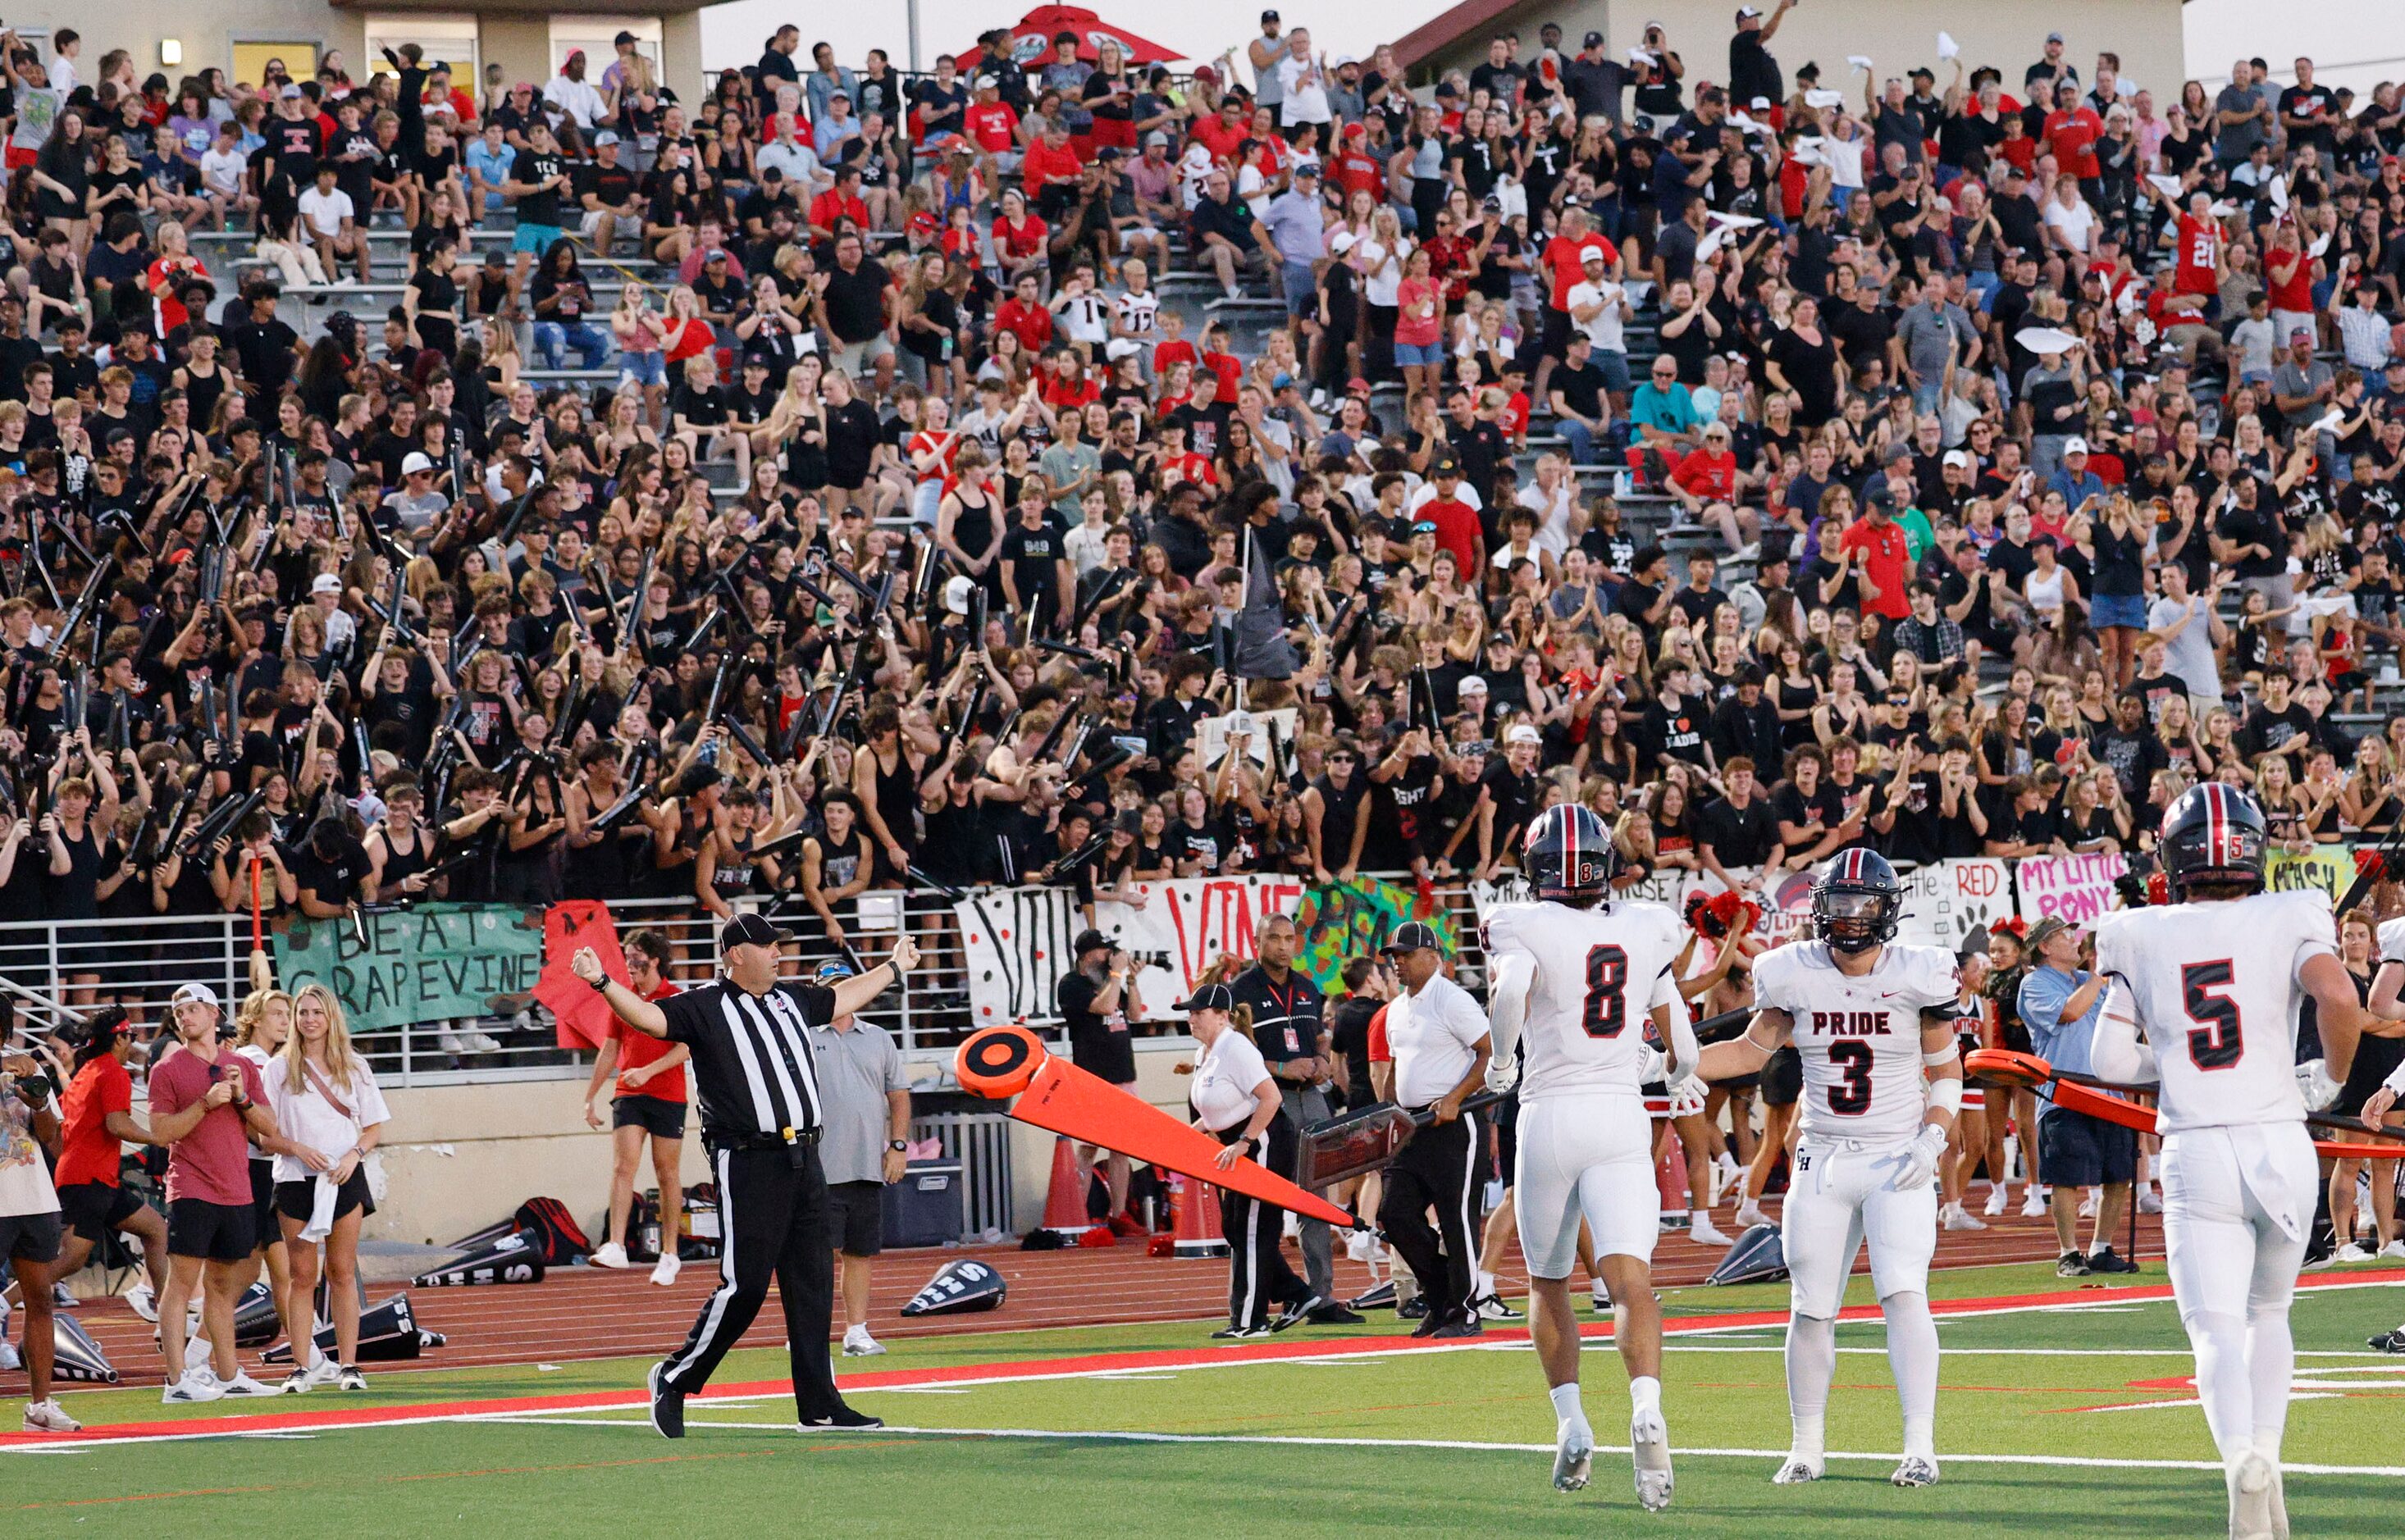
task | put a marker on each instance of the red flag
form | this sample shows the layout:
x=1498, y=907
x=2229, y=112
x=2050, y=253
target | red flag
x=583, y=1014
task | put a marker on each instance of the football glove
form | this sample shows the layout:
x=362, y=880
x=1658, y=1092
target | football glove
x=2314, y=1084
x=1921, y=1159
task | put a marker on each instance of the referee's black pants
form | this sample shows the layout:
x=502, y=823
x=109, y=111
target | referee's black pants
x=1258, y=1274
x=772, y=1218
x=1437, y=1169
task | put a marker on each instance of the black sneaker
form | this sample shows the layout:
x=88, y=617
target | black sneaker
x=2104, y=1259
x=1239, y=1334
x=1412, y=1308
x=1429, y=1326
x=1378, y=1296
x=1296, y=1314
x=667, y=1406
x=1460, y=1326
x=843, y=1418
x=2071, y=1264
x=1332, y=1314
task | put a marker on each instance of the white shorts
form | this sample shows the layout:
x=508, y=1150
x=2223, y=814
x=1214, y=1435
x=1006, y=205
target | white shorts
x=1589, y=1155
x=2238, y=1206
x=1838, y=1197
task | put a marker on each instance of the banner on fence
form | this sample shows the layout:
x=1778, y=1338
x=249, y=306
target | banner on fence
x=2077, y=887
x=2327, y=869
x=581, y=1017
x=1345, y=919
x=1949, y=903
x=1185, y=924
x=1017, y=941
x=427, y=962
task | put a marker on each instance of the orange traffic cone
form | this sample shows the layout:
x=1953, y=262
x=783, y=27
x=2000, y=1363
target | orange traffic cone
x=1670, y=1176
x=1199, y=1234
x=1065, y=1205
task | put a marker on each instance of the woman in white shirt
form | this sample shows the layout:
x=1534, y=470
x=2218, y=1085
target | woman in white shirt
x=1234, y=1098
x=324, y=1100
x=262, y=1023
x=1379, y=260
x=2070, y=223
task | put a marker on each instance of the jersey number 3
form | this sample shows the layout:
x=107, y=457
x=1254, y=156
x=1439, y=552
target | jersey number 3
x=2216, y=1043
x=1850, y=1097
x=1606, y=991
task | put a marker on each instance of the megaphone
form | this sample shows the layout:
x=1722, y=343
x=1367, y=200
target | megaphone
x=959, y=1287
x=514, y=1258
x=1758, y=1257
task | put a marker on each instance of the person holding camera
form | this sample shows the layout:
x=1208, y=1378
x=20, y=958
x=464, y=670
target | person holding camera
x=29, y=1224
x=205, y=1103
x=1097, y=1000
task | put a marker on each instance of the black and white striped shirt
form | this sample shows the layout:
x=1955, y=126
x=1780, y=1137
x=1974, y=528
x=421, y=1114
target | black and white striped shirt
x=752, y=1074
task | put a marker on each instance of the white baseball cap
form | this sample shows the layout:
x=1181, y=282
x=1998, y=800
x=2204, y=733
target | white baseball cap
x=1473, y=684
x=2076, y=446
x=1341, y=242
x=1592, y=254
x=194, y=994
x=1524, y=733
x=326, y=582
x=416, y=462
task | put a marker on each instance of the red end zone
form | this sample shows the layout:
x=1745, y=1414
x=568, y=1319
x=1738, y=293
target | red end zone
x=1035, y=1369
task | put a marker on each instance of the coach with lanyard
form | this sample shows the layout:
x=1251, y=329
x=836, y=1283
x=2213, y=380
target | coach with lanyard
x=1288, y=1029
x=1439, y=1037
x=760, y=1118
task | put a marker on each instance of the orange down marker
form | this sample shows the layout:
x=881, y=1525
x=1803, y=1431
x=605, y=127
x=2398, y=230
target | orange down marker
x=1054, y=1094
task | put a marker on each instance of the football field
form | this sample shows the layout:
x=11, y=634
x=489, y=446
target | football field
x=2065, y=1408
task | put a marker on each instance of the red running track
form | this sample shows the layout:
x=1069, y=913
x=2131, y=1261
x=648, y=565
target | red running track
x=585, y=1312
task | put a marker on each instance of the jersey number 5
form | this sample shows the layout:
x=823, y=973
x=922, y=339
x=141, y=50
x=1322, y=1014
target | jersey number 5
x=1851, y=1095
x=2216, y=1044
x=1606, y=991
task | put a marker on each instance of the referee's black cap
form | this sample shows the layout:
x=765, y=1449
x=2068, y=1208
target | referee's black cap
x=1411, y=936
x=1210, y=996
x=748, y=931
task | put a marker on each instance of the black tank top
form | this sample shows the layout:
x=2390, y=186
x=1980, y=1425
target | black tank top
x=732, y=876
x=951, y=852
x=77, y=894
x=399, y=865
x=840, y=865
x=1342, y=807
x=897, y=797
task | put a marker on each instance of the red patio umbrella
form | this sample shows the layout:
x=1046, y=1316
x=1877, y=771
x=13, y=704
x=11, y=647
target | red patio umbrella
x=1031, y=39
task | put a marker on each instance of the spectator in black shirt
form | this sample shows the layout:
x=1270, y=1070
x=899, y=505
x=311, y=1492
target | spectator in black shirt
x=333, y=871
x=1745, y=725
x=1096, y=1000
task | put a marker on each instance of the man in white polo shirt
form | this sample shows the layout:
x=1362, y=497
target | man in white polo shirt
x=1439, y=1039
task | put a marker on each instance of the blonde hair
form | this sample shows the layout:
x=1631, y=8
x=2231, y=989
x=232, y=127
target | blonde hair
x=253, y=1010
x=340, y=1060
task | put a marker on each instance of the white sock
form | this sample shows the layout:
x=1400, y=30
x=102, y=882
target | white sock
x=1486, y=1284
x=1566, y=1409
x=1912, y=1354
x=1811, y=1366
x=1644, y=1395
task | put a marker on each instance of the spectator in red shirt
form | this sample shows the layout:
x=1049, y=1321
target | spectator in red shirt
x=204, y=1105
x=647, y=1103
x=992, y=126
x=1050, y=162
x=1355, y=169
x=1882, y=554
x=1026, y=315
x=1225, y=135
x=1457, y=528
x=2071, y=133
x=1019, y=239
x=840, y=201
x=98, y=1114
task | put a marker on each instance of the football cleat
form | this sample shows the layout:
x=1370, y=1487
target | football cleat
x=1917, y=1470
x=1573, y=1456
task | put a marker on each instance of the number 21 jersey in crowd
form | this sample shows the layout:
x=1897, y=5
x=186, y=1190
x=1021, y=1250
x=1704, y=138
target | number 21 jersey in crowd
x=1859, y=1037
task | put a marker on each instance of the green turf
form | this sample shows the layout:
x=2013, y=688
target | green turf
x=2016, y=1383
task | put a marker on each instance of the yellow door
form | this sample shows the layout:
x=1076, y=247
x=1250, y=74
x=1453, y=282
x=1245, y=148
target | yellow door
x=250, y=59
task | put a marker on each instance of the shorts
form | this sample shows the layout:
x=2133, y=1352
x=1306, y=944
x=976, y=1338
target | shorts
x=297, y=1200
x=262, y=1204
x=30, y=1238
x=1408, y=355
x=656, y=1116
x=2075, y=1150
x=2122, y=609
x=214, y=1232
x=1975, y=1095
x=2375, y=1060
x=1838, y=1197
x=643, y=368
x=856, y=1217
x=536, y=239
x=854, y=358
x=92, y=1209
x=1782, y=1079
x=1590, y=1156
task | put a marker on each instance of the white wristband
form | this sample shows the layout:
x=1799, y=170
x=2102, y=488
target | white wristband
x=1947, y=1094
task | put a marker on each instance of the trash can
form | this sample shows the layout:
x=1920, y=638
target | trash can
x=928, y=1207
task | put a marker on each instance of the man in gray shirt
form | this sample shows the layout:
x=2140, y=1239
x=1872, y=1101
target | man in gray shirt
x=2245, y=117
x=1923, y=332
x=865, y=1146
x=2189, y=628
x=1293, y=226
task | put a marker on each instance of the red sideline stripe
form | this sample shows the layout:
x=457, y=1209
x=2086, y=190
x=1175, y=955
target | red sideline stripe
x=1170, y=1358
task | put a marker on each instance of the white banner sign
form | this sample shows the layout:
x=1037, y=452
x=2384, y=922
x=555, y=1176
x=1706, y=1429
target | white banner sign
x=1211, y=735
x=1019, y=939
x=1949, y=903
x=2079, y=888
x=1185, y=924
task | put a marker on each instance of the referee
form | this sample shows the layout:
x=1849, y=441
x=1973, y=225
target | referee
x=1439, y=1038
x=761, y=1119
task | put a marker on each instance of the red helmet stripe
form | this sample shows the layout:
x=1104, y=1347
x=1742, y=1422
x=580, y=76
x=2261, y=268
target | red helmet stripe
x=1569, y=848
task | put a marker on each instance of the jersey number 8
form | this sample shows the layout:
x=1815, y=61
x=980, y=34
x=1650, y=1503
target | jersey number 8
x=1606, y=991
x=2217, y=1043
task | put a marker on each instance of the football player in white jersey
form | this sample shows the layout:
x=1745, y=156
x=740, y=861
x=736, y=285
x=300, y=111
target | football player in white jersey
x=2202, y=1003
x=1871, y=1019
x=1573, y=979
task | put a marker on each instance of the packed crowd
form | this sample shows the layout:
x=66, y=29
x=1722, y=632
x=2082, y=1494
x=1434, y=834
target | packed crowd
x=2049, y=428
